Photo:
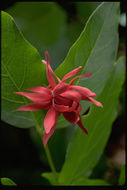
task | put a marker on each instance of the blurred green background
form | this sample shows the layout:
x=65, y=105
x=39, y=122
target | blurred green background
x=54, y=27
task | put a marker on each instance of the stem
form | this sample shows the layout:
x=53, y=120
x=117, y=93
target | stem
x=51, y=164
x=38, y=130
x=50, y=160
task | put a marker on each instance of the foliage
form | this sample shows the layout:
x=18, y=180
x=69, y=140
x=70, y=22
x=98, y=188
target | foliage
x=8, y=182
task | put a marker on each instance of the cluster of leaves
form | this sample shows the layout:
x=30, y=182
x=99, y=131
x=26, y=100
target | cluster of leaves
x=95, y=50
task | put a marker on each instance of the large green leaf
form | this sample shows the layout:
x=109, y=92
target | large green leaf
x=44, y=25
x=84, y=150
x=95, y=49
x=21, y=69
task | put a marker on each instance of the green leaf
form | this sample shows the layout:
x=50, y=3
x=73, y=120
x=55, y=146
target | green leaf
x=85, y=150
x=50, y=177
x=7, y=181
x=44, y=25
x=95, y=49
x=22, y=68
x=90, y=182
x=122, y=175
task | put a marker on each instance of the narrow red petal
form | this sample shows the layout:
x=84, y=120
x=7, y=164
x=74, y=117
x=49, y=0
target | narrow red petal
x=60, y=108
x=45, y=62
x=80, y=124
x=85, y=76
x=72, y=117
x=50, y=72
x=35, y=97
x=49, y=86
x=72, y=73
x=40, y=89
x=63, y=108
x=47, y=136
x=79, y=108
x=34, y=107
x=50, y=78
x=95, y=102
x=83, y=91
x=60, y=88
x=73, y=107
x=71, y=94
x=50, y=119
x=62, y=100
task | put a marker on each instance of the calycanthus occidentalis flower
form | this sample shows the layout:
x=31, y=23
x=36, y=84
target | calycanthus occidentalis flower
x=61, y=98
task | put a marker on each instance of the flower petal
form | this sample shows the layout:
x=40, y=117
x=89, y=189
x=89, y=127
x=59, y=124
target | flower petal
x=50, y=119
x=83, y=91
x=85, y=76
x=80, y=124
x=72, y=117
x=47, y=56
x=34, y=106
x=40, y=89
x=63, y=108
x=73, y=107
x=79, y=108
x=35, y=97
x=94, y=101
x=62, y=100
x=50, y=78
x=45, y=62
x=60, y=108
x=60, y=88
x=47, y=136
x=71, y=94
x=72, y=73
x=50, y=71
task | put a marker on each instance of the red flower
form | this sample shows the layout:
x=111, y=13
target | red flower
x=58, y=98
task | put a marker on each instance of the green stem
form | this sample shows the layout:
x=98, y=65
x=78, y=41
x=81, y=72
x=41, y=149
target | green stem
x=51, y=164
x=38, y=130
